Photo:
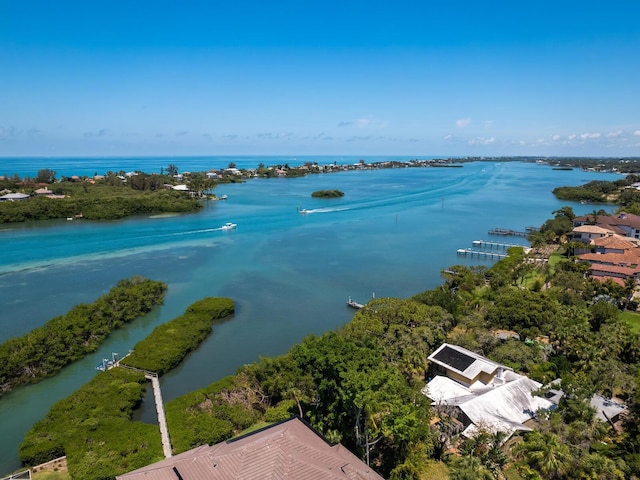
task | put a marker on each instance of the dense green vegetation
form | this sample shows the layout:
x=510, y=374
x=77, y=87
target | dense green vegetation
x=355, y=385
x=168, y=344
x=93, y=427
x=97, y=202
x=600, y=191
x=60, y=341
x=327, y=194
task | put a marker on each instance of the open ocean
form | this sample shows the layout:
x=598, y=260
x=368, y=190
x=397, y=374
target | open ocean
x=289, y=274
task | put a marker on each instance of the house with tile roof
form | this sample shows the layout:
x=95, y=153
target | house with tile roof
x=586, y=233
x=626, y=224
x=481, y=393
x=289, y=449
x=614, y=246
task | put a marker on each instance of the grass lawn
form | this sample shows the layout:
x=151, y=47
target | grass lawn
x=632, y=319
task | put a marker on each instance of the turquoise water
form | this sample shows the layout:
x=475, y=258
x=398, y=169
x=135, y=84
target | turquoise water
x=289, y=274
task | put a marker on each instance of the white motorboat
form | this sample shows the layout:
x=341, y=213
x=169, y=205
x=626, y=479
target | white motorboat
x=229, y=226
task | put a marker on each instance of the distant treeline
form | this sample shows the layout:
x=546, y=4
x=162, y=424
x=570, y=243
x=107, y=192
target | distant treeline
x=64, y=339
x=619, y=192
x=93, y=426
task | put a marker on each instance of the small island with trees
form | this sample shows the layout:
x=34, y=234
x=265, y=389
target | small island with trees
x=327, y=194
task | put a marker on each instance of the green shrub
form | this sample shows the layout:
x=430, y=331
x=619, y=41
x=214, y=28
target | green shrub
x=169, y=343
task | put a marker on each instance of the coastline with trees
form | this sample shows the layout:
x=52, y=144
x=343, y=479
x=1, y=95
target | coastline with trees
x=117, y=195
x=476, y=302
x=46, y=350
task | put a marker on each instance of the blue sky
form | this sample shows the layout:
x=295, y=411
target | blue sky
x=319, y=78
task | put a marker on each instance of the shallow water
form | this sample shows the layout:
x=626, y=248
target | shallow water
x=289, y=274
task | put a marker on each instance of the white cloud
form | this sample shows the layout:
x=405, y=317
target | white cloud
x=615, y=134
x=488, y=124
x=585, y=136
x=463, y=122
x=447, y=137
x=365, y=122
x=637, y=133
x=555, y=138
x=482, y=141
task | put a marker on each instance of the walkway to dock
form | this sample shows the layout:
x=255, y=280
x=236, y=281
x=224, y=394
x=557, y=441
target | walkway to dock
x=157, y=395
x=162, y=420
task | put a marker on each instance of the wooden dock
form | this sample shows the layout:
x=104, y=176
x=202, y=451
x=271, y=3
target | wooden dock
x=507, y=232
x=504, y=246
x=480, y=253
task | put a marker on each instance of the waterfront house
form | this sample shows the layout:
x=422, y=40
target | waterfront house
x=613, y=246
x=626, y=224
x=613, y=257
x=289, y=449
x=480, y=393
x=13, y=197
x=586, y=233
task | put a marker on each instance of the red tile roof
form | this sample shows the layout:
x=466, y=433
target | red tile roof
x=596, y=267
x=288, y=450
x=614, y=242
x=622, y=218
x=629, y=258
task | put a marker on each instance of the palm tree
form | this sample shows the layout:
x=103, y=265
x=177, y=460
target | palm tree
x=546, y=453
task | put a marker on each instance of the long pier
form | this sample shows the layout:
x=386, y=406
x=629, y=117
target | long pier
x=480, y=253
x=504, y=246
x=507, y=232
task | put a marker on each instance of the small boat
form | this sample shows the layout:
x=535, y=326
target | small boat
x=229, y=226
x=303, y=211
x=223, y=197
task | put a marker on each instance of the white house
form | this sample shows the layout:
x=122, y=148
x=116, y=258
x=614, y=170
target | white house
x=484, y=394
